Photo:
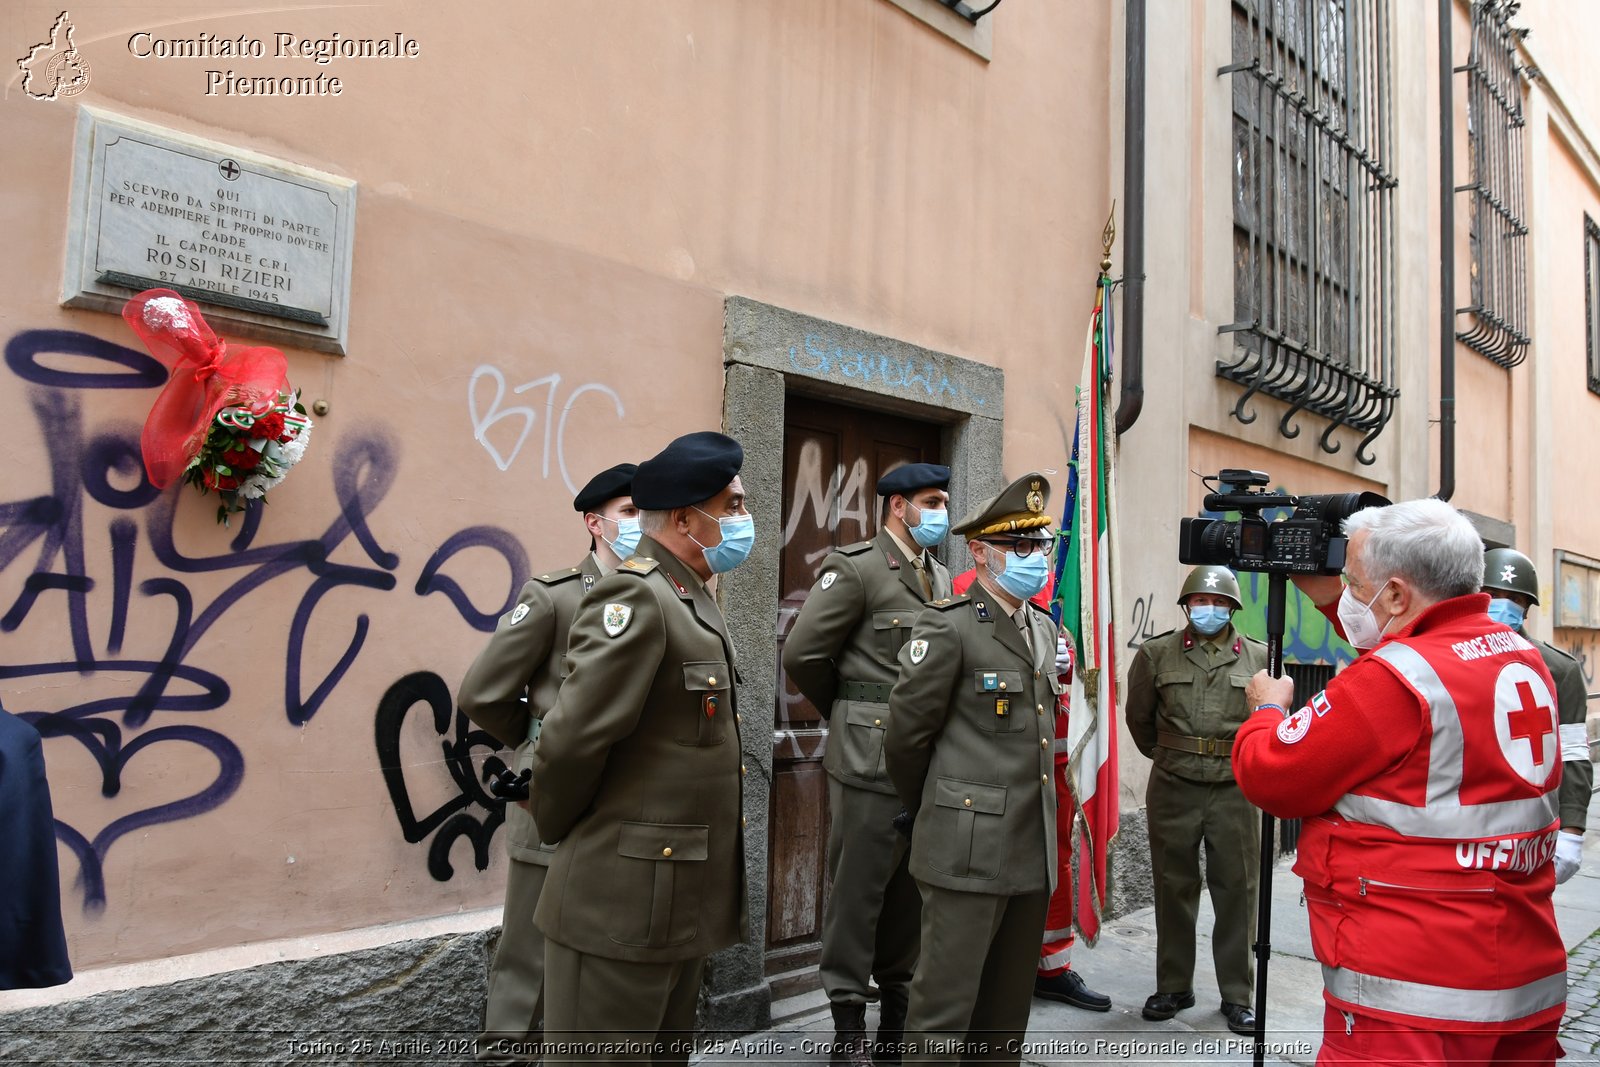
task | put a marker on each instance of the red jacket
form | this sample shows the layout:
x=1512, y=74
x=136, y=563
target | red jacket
x=1427, y=774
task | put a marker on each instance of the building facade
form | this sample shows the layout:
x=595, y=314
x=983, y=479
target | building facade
x=848, y=233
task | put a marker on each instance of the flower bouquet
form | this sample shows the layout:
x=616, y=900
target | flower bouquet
x=246, y=453
x=227, y=419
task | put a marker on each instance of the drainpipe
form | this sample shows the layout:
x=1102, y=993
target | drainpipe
x=1133, y=219
x=1447, y=258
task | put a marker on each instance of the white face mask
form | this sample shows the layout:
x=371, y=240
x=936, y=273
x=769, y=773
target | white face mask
x=1361, y=627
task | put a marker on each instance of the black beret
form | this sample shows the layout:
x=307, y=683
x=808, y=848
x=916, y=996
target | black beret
x=909, y=477
x=607, y=485
x=695, y=467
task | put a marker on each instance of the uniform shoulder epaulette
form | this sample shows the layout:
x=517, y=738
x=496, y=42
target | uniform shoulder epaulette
x=1159, y=636
x=557, y=577
x=946, y=603
x=1563, y=653
x=855, y=549
x=637, y=565
x=1253, y=640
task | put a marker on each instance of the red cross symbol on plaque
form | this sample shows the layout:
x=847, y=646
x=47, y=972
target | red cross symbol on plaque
x=1530, y=721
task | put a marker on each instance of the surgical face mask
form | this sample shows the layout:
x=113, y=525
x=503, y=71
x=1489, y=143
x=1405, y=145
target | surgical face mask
x=1209, y=619
x=628, y=532
x=1506, y=611
x=738, y=537
x=1360, y=624
x=1024, y=576
x=931, y=526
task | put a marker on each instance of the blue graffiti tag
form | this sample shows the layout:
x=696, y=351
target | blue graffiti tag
x=105, y=469
x=819, y=358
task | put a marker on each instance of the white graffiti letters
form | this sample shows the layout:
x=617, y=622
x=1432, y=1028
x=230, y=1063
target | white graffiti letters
x=555, y=425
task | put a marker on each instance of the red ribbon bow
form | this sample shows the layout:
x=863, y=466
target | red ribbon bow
x=175, y=332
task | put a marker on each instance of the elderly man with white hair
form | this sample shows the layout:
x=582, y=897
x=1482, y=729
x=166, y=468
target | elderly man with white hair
x=1427, y=776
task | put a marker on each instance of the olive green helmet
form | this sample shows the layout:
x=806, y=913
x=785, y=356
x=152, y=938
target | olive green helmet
x=1509, y=571
x=1218, y=581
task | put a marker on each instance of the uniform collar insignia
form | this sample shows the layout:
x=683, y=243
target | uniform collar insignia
x=1188, y=640
x=676, y=584
x=894, y=564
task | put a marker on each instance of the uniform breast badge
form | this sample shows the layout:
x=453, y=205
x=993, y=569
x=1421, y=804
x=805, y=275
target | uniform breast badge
x=616, y=618
x=1002, y=706
x=711, y=706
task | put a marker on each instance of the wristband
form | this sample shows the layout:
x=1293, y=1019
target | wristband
x=1279, y=708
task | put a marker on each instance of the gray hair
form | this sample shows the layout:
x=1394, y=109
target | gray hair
x=1427, y=542
x=654, y=522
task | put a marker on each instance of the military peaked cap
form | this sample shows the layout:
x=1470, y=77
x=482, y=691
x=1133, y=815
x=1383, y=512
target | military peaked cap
x=695, y=467
x=607, y=485
x=1017, y=508
x=909, y=477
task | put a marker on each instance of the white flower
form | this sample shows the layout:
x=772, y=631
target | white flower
x=296, y=448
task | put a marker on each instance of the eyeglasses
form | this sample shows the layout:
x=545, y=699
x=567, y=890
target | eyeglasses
x=1023, y=547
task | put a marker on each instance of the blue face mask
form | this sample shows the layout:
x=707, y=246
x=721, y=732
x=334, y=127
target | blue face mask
x=738, y=537
x=1024, y=576
x=627, y=542
x=932, y=526
x=1209, y=619
x=1508, y=612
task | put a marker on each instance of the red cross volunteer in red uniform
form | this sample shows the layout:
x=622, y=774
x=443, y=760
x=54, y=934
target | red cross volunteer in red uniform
x=1427, y=776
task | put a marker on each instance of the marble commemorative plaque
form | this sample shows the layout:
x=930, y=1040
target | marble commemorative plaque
x=262, y=244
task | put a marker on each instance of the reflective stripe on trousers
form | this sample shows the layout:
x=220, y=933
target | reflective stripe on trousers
x=1446, y=1002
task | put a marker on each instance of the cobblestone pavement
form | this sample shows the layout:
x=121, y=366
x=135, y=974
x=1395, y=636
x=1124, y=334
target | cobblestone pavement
x=1580, y=1030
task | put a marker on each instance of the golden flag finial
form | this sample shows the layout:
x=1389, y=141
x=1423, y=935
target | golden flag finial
x=1108, y=237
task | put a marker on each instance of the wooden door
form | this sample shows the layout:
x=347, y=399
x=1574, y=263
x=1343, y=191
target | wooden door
x=832, y=458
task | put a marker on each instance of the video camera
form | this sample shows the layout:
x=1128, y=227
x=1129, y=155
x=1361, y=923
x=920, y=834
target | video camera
x=1309, y=541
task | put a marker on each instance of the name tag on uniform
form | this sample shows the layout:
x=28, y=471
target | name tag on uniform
x=991, y=681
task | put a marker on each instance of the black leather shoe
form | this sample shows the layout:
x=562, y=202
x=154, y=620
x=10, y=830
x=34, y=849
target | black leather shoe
x=1241, y=1020
x=1068, y=988
x=1166, y=1005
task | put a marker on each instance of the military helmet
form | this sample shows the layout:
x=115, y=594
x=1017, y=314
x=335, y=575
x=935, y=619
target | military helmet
x=1218, y=581
x=1509, y=571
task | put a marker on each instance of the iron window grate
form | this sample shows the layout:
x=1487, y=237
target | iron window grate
x=1314, y=229
x=1499, y=237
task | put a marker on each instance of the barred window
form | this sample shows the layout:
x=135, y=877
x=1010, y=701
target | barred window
x=1314, y=230
x=1499, y=240
x=1591, y=298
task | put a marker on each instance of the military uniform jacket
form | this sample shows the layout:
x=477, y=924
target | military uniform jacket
x=526, y=656
x=1572, y=707
x=851, y=629
x=637, y=773
x=969, y=747
x=1173, y=688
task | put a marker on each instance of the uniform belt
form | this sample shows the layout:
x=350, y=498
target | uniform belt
x=1203, y=746
x=867, y=692
x=534, y=726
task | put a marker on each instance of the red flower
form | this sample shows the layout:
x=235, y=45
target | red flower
x=268, y=426
x=227, y=483
x=209, y=477
x=242, y=459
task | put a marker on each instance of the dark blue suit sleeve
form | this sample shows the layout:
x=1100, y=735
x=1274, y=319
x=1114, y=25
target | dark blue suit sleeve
x=33, y=945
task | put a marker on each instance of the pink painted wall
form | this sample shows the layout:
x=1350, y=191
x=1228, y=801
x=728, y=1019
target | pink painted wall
x=551, y=194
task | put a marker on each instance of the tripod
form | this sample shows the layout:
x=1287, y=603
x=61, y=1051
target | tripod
x=1276, y=583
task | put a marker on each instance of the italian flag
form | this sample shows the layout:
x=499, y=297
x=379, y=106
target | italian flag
x=1084, y=583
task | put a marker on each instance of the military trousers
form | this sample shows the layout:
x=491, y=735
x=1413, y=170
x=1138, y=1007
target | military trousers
x=870, y=925
x=601, y=1010
x=515, y=1010
x=974, y=985
x=1184, y=815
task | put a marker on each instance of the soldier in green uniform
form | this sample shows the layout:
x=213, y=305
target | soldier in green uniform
x=507, y=691
x=1185, y=702
x=637, y=775
x=1509, y=578
x=969, y=749
x=841, y=654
